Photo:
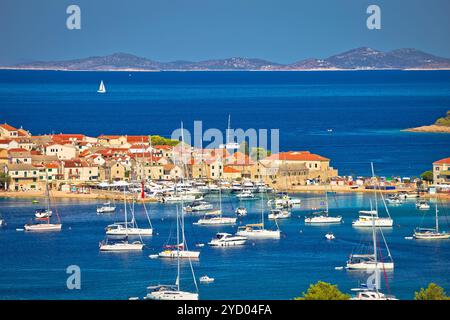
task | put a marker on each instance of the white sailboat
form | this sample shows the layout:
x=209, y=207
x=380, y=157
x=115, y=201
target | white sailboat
x=120, y=245
x=43, y=224
x=101, y=88
x=431, y=233
x=257, y=230
x=180, y=249
x=129, y=228
x=174, y=292
x=369, y=217
x=322, y=217
x=371, y=261
x=216, y=219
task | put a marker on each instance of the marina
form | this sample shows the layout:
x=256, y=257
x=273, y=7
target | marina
x=301, y=250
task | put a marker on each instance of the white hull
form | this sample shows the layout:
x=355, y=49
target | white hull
x=106, y=209
x=180, y=254
x=260, y=234
x=321, y=220
x=171, y=295
x=371, y=266
x=279, y=216
x=379, y=222
x=431, y=236
x=215, y=221
x=122, y=247
x=42, y=227
x=130, y=232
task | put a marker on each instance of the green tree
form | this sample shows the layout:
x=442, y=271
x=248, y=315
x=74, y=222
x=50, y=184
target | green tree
x=158, y=140
x=323, y=291
x=444, y=121
x=243, y=148
x=427, y=176
x=259, y=153
x=432, y=292
x=4, y=179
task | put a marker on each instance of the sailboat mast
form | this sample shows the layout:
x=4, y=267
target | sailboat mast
x=262, y=210
x=182, y=181
x=178, y=251
x=125, y=210
x=437, y=218
x=228, y=130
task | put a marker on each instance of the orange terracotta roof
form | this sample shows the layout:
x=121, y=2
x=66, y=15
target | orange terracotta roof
x=18, y=150
x=442, y=161
x=162, y=147
x=297, y=156
x=228, y=169
x=67, y=136
x=137, y=139
x=8, y=127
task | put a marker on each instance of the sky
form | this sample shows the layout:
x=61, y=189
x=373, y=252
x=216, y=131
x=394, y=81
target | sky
x=282, y=31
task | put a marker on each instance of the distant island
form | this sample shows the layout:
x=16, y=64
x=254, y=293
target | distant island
x=357, y=59
x=442, y=125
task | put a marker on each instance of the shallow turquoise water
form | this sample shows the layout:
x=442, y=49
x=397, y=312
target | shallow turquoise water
x=33, y=265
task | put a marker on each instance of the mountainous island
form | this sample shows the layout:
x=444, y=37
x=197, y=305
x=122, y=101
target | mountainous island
x=357, y=59
x=442, y=125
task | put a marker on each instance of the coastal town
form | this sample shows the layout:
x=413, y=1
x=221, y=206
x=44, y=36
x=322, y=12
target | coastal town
x=76, y=165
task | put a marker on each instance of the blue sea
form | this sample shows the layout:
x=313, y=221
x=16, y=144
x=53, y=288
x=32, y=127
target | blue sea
x=365, y=109
x=34, y=265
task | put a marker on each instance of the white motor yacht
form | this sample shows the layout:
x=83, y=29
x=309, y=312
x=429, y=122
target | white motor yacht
x=224, y=239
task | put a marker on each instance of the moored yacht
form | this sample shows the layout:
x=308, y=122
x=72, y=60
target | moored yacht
x=321, y=217
x=279, y=214
x=107, y=207
x=431, y=233
x=422, y=205
x=120, y=245
x=198, y=206
x=169, y=292
x=224, y=239
x=368, y=217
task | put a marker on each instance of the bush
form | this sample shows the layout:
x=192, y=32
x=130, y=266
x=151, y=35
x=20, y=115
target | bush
x=323, y=291
x=158, y=140
x=432, y=292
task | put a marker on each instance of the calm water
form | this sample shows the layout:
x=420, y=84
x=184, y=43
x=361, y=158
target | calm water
x=366, y=110
x=33, y=265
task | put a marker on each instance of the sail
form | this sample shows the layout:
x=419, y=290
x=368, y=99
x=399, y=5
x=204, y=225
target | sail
x=101, y=88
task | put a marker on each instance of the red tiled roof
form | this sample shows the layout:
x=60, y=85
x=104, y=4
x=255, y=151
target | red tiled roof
x=3, y=141
x=442, y=161
x=297, y=156
x=8, y=127
x=17, y=150
x=108, y=137
x=228, y=169
x=162, y=147
x=137, y=139
x=67, y=136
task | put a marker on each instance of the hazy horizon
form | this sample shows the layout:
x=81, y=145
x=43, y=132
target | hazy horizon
x=162, y=30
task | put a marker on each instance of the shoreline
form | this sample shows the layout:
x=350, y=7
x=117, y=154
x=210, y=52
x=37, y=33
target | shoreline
x=118, y=196
x=429, y=129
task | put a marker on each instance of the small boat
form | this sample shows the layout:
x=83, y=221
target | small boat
x=245, y=195
x=241, y=212
x=279, y=214
x=101, y=88
x=126, y=229
x=322, y=217
x=199, y=245
x=2, y=222
x=153, y=256
x=35, y=201
x=330, y=236
x=171, y=252
x=43, y=213
x=284, y=201
x=106, y=208
x=198, y=206
x=218, y=220
x=120, y=245
x=206, y=279
x=394, y=199
x=224, y=239
x=422, y=205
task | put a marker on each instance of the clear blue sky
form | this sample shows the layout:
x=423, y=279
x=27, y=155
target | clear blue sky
x=277, y=30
